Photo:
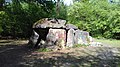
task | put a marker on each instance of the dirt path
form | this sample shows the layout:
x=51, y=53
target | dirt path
x=17, y=54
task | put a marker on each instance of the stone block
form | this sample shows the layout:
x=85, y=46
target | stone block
x=56, y=37
x=70, y=38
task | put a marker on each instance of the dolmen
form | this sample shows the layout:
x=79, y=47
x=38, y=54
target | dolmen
x=57, y=34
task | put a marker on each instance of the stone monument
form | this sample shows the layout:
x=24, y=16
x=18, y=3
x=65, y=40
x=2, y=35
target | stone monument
x=52, y=32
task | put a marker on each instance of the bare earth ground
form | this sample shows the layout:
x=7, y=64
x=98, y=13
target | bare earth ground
x=17, y=54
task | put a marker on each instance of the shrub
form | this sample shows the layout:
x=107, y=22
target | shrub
x=99, y=17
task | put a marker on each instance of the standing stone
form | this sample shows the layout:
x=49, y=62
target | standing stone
x=33, y=39
x=78, y=37
x=82, y=37
x=85, y=37
x=51, y=37
x=56, y=35
x=70, y=38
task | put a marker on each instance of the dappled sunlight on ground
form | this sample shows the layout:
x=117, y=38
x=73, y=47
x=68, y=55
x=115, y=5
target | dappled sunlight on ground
x=13, y=55
x=87, y=56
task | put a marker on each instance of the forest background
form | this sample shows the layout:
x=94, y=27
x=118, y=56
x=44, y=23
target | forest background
x=101, y=18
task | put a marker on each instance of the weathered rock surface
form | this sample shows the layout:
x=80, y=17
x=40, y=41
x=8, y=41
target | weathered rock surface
x=55, y=33
x=70, y=38
x=56, y=37
x=85, y=37
x=50, y=23
x=34, y=38
x=78, y=37
x=71, y=26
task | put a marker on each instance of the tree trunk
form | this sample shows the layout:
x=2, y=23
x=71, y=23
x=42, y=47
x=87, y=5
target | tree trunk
x=1, y=4
x=58, y=7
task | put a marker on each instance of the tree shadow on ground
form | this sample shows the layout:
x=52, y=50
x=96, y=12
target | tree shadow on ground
x=22, y=56
x=104, y=58
x=12, y=55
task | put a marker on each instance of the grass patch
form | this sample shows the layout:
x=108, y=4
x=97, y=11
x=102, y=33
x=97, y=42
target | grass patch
x=111, y=42
x=79, y=45
x=44, y=50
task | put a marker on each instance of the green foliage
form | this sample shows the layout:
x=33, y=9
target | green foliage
x=1, y=15
x=79, y=45
x=100, y=18
x=18, y=17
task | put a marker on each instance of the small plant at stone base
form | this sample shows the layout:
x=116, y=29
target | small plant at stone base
x=79, y=45
x=44, y=50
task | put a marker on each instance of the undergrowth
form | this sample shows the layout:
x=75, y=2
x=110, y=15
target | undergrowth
x=79, y=45
x=44, y=50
